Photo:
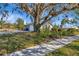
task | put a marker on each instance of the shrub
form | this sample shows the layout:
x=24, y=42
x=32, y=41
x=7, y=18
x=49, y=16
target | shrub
x=44, y=33
x=55, y=32
x=71, y=31
x=64, y=32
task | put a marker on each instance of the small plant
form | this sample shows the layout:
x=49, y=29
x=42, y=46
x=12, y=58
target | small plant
x=71, y=31
x=45, y=33
x=55, y=32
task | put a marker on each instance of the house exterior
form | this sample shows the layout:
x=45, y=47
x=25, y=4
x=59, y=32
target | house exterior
x=47, y=25
x=30, y=27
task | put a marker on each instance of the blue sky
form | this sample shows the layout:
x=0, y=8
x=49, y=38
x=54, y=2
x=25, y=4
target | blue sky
x=57, y=20
x=13, y=16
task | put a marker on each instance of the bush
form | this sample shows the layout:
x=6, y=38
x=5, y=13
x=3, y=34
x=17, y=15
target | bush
x=59, y=33
x=55, y=32
x=44, y=33
x=64, y=32
x=71, y=31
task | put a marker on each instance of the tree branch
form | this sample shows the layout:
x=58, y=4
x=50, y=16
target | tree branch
x=64, y=9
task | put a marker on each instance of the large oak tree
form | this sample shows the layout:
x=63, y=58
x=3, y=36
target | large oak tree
x=42, y=12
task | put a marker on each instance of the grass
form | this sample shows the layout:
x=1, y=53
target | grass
x=76, y=32
x=13, y=42
x=17, y=41
x=71, y=49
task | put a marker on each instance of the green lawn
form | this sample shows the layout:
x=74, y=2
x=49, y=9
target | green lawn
x=13, y=42
x=76, y=32
x=71, y=49
x=17, y=41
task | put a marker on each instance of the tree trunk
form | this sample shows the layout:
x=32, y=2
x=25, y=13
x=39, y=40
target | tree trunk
x=37, y=19
x=36, y=27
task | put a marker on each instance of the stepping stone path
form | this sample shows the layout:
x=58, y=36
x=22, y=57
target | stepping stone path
x=43, y=49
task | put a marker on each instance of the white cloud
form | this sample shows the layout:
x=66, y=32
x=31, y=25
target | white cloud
x=70, y=18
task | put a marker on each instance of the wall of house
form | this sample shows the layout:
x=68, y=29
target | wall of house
x=31, y=28
x=46, y=25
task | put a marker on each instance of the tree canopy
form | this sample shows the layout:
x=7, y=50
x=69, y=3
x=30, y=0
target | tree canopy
x=40, y=13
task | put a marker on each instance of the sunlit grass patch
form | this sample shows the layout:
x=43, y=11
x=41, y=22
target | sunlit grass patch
x=71, y=49
x=76, y=33
x=17, y=41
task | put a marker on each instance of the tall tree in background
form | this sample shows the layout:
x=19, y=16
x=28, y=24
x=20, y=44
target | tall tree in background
x=20, y=23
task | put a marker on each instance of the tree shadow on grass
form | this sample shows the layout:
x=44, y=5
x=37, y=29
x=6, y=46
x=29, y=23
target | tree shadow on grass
x=71, y=49
x=56, y=53
x=74, y=47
